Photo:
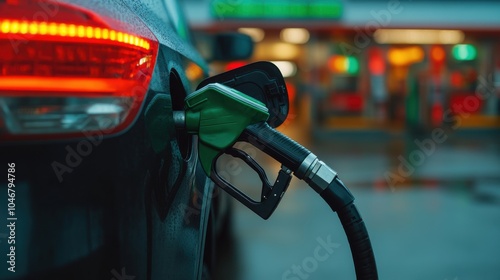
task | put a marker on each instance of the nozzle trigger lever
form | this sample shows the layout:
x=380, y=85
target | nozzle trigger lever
x=271, y=194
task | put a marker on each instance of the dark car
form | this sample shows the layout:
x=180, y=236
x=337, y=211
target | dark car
x=97, y=182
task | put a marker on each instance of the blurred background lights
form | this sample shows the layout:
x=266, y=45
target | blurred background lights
x=257, y=34
x=287, y=68
x=418, y=36
x=376, y=62
x=378, y=78
x=343, y=64
x=438, y=53
x=104, y=108
x=405, y=56
x=295, y=35
x=282, y=51
x=464, y=52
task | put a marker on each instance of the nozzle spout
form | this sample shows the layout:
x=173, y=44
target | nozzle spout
x=179, y=119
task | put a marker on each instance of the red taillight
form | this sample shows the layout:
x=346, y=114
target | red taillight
x=70, y=74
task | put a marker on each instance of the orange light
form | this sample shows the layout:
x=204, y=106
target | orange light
x=337, y=64
x=70, y=30
x=343, y=64
x=437, y=53
x=194, y=72
x=405, y=56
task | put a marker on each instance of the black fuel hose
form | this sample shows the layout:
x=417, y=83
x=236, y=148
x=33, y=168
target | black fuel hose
x=354, y=227
x=325, y=181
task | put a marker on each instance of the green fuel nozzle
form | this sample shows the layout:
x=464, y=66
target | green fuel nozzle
x=218, y=115
x=221, y=115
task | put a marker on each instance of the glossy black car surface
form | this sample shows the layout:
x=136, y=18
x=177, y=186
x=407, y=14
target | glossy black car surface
x=132, y=203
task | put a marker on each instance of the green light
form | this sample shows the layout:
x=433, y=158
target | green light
x=352, y=65
x=277, y=9
x=464, y=52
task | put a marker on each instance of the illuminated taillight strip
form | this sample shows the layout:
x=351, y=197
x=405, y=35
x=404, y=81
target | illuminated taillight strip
x=63, y=77
x=59, y=86
x=70, y=30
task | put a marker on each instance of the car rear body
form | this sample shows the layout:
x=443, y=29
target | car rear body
x=101, y=201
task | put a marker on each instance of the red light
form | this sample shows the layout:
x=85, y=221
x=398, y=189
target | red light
x=457, y=79
x=291, y=92
x=76, y=65
x=437, y=114
x=376, y=62
x=235, y=64
x=465, y=103
x=438, y=54
x=350, y=102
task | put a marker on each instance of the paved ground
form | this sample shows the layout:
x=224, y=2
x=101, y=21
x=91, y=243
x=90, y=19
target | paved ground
x=442, y=221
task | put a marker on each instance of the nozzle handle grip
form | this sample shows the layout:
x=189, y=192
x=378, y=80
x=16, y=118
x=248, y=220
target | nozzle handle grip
x=277, y=145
